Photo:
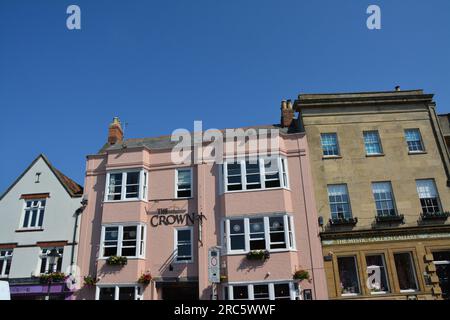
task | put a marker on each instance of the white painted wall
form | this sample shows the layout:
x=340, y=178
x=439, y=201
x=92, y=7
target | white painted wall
x=58, y=224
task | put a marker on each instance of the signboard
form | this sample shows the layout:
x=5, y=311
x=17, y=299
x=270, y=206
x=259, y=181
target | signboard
x=171, y=216
x=214, y=265
x=4, y=291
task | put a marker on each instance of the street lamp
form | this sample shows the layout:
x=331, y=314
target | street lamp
x=52, y=257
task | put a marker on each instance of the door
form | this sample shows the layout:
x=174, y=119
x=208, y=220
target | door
x=442, y=262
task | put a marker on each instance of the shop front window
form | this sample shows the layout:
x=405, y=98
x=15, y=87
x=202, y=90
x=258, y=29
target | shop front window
x=348, y=276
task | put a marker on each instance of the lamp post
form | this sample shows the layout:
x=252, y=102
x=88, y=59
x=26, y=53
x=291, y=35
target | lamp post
x=52, y=257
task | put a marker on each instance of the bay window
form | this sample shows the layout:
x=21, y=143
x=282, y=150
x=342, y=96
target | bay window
x=127, y=185
x=260, y=291
x=255, y=174
x=5, y=262
x=123, y=240
x=273, y=233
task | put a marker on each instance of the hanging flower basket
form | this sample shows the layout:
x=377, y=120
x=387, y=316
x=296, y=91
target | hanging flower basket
x=90, y=281
x=52, y=277
x=301, y=275
x=117, y=261
x=145, y=278
x=260, y=255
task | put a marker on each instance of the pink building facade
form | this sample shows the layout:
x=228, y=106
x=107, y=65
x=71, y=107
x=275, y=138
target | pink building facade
x=165, y=218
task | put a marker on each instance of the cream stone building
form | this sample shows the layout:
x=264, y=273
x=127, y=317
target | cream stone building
x=382, y=188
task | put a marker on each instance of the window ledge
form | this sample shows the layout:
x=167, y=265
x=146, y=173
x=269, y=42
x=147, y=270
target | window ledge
x=128, y=258
x=375, y=155
x=416, y=152
x=127, y=200
x=331, y=157
x=243, y=253
x=256, y=190
x=29, y=230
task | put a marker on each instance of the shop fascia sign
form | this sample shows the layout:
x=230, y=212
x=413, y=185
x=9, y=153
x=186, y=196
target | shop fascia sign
x=173, y=215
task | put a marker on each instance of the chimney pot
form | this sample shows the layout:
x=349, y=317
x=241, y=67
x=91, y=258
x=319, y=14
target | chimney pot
x=115, y=132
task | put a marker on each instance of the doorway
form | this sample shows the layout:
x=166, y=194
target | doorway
x=180, y=291
x=442, y=262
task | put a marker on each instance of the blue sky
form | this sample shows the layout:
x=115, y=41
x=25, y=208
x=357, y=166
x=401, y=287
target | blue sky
x=160, y=65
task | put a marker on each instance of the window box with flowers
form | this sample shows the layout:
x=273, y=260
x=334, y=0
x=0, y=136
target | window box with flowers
x=52, y=277
x=90, y=281
x=117, y=261
x=259, y=255
x=301, y=275
x=145, y=278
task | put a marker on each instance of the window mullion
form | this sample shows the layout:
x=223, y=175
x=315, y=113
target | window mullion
x=271, y=291
x=123, y=190
x=227, y=235
x=119, y=240
x=243, y=174
x=286, y=232
x=250, y=291
x=267, y=232
x=230, y=293
x=108, y=181
x=116, y=292
x=247, y=234
x=294, y=243
x=262, y=174
x=225, y=174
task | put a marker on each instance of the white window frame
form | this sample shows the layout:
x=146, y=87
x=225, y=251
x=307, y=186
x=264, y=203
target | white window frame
x=142, y=189
x=175, y=244
x=140, y=252
x=177, y=183
x=282, y=169
x=39, y=208
x=8, y=256
x=250, y=287
x=138, y=290
x=289, y=228
x=43, y=255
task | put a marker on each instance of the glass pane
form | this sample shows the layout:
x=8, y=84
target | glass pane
x=240, y=292
x=111, y=233
x=106, y=294
x=261, y=292
x=126, y=293
x=237, y=226
x=378, y=261
x=184, y=235
x=348, y=275
x=184, y=250
x=405, y=271
x=237, y=242
x=130, y=233
x=282, y=291
x=132, y=178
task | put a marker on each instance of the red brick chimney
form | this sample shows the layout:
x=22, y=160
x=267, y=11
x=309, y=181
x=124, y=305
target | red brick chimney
x=287, y=113
x=115, y=132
